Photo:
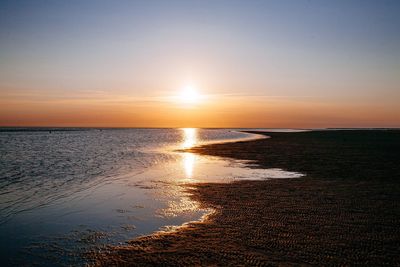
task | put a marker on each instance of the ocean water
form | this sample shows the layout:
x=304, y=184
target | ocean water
x=64, y=192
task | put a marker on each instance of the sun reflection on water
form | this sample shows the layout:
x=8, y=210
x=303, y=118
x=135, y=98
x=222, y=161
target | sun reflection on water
x=189, y=159
x=188, y=163
x=189, y=137
x=179, y=202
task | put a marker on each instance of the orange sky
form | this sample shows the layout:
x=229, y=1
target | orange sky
x=214, y=111
x=291, y=64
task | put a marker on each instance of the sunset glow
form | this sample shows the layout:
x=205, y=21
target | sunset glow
x=210, y=64
x=189, y=95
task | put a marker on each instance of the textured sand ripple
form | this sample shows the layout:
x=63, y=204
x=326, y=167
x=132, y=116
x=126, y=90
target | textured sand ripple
x=345, y=212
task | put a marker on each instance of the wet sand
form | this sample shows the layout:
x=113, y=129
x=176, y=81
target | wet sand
x=346, y=211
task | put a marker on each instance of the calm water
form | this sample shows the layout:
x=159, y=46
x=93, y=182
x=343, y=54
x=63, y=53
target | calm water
x=64, y=191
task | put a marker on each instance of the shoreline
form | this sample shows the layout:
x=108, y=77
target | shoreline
x=328, y=217
x=251, y=136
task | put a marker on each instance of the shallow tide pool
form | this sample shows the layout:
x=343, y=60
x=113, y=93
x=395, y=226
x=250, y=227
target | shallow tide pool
x=65, y=192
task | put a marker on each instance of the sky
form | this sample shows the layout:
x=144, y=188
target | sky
x=274, y=64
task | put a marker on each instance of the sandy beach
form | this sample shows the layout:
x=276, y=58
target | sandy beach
x=345, y=211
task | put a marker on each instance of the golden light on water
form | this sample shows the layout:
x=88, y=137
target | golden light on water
x=189, y=137
x=189, y=159
x=183, y=204
x=188, y=162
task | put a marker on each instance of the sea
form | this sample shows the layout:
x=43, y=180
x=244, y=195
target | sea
x=67, y=191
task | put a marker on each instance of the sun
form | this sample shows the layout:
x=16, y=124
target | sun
x=189, y=95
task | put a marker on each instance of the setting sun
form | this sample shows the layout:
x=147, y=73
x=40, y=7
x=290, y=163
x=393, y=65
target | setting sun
x=189, y=95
